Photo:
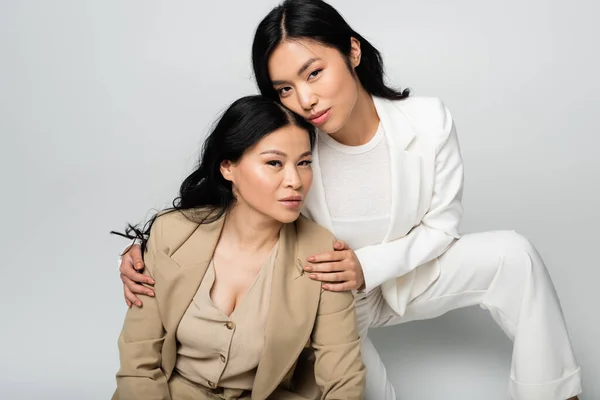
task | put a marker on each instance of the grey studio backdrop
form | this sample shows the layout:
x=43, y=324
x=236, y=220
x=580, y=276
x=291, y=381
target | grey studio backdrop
x=103, y=106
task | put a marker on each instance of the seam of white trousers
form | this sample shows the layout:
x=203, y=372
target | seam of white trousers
x=499, y=311
x=452, y=295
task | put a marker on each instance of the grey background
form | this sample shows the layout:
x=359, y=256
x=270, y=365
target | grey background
x=103, y=105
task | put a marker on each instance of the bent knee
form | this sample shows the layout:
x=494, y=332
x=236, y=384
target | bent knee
x=513, y=243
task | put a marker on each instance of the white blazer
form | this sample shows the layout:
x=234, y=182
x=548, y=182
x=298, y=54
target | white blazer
x=427, y=182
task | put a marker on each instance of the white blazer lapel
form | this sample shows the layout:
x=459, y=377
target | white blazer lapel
x=315, y=206
x=405, y=175
x=405, y=168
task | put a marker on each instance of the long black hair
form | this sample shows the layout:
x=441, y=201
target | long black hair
x=318, y=21
x=204, y=196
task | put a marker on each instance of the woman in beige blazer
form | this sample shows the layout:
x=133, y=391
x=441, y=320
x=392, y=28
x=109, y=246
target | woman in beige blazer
x=233, y=315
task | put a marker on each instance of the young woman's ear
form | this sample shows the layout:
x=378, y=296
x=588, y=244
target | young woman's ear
x=354, y=52
x=227, y=168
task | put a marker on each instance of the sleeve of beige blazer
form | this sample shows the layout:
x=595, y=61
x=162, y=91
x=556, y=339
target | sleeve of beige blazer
x=339, y=370
x=140, y=376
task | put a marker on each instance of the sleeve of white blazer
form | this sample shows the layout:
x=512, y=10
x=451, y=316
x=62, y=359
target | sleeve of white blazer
x=438, y=227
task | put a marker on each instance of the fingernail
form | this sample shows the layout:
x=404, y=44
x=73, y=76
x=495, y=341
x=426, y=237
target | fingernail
x=138, y=303
x=311, y=259
x=151, y=281
x=307, y=268
x=313, y=276
x=325, y=287
x=151, y=294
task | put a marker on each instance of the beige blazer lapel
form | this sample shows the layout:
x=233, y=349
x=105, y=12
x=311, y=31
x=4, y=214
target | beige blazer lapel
x=294, y=303
x=179, y=275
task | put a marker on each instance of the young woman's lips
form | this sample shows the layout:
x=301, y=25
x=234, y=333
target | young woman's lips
x=321, y=117
x=292, y=202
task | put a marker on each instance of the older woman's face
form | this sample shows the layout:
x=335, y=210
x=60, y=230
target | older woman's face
x=273, y=177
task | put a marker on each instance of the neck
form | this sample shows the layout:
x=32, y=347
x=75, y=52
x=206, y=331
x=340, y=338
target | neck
x=248, y=230
x=362, y=124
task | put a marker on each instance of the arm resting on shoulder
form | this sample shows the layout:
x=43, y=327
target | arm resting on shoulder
x=140, y=376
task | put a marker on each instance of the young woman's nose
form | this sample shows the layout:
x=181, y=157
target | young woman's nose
x=307, y=98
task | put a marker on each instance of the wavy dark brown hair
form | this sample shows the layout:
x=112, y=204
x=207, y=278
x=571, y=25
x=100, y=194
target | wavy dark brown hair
x=204, y=196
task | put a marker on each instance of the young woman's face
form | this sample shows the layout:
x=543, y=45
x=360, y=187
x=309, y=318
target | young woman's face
x=273, y=177
x=315, y=82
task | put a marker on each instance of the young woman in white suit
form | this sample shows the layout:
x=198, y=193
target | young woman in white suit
x=388, y=181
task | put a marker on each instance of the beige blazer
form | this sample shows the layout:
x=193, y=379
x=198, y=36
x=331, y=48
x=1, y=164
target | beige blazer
x=301, y=315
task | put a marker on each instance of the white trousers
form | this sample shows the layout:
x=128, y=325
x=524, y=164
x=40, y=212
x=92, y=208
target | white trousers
x=502, y=272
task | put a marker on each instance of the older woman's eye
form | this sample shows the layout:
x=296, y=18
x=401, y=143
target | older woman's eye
x=305, y=163
x=315, y=73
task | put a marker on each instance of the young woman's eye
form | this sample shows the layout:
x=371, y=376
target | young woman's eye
x=283, y=91
x=274, y=163
x=315, y=73
x=305, y=163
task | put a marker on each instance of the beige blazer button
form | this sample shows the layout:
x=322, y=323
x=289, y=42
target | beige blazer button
x=223, y=358
x=230, y=325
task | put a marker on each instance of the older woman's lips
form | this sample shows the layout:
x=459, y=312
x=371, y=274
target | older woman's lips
x=292, y=202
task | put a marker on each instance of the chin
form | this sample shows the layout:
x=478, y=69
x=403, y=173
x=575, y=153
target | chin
x=288, y=217
x=330, y=127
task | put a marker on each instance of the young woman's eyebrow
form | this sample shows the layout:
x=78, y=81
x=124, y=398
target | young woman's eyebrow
x=303, y=68
x=307, y=64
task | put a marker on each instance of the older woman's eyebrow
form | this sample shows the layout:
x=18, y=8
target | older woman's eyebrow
x=276, y=152
x=282, y=154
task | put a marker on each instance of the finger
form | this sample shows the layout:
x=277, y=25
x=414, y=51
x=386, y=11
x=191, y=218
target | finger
x=127, y=269
x=136, y=254
x=337, y=287
x=340, y=245
x=336, y=266
x=330, y=277
x=136, y=288
x=131, y=298
x=328, y=257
